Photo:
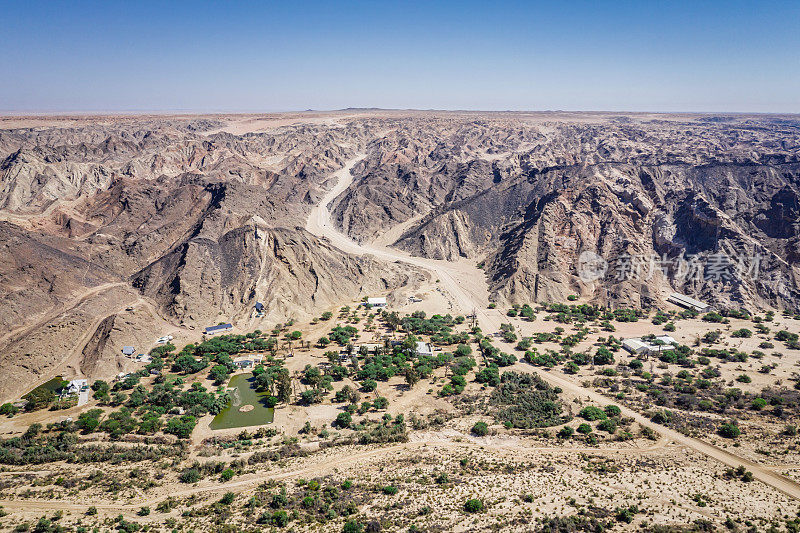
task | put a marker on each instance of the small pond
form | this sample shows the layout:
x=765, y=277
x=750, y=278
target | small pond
x=242, y=392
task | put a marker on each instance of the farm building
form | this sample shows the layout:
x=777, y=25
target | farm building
x=423, y=348
x=638, y=346
x=635, y=346
x=686, y=302
x=213, y=330
x=369, y=348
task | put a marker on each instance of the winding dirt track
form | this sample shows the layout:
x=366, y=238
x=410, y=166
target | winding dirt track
x=463, y=296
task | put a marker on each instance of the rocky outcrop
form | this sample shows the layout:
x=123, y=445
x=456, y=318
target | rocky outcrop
x=530, y=198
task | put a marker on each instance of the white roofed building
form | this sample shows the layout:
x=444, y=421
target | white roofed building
x=423, y=348
x=76, y=385
x=638, y=346
x=377, y=302
x=689, y=303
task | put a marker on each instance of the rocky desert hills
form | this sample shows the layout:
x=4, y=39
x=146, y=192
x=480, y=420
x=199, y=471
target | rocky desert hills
x=117, y=229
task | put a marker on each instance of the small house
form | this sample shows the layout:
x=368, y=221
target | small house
x=128, y=350
x=214, y=330
x=259, y=307
x=76, y=385
x=638, y=346
x=376, y=302
x=368, y=348
x=424, y=348
x=635, y=346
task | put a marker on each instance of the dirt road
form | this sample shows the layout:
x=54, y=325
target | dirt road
x=467, y=290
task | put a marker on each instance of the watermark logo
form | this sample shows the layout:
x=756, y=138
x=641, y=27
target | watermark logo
x=716, y=267
x=591, y=267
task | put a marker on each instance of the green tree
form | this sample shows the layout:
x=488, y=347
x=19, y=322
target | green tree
x=343, y=420
x=481, y=429
x=473, y=505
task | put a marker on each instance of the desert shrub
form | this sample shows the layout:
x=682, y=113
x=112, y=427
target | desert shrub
x=729, y=430
x=473, y=505
x=190, y=475
x=591, y=413
x=713, y=317
x=480, y=429
x=352, y=526
x=343, y=420
x=609, y=425
x=758, y=404
x=280, y=518
x=566, y=432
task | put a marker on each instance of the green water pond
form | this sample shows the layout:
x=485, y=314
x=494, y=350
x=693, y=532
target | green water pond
x=242, y=392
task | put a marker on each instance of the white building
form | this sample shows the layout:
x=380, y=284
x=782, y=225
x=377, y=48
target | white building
x=76, y=385
x=689, y=303
x=635, y=346
x=377, y=302
x=638, y=346
x=370, y=348
x=424, y=348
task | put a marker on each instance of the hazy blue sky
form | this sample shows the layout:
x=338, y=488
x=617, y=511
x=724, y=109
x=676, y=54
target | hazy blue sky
x=260, y=56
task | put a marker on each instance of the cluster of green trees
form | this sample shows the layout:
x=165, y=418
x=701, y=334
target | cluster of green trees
x=342, y=334
x=549, y=359
x=439, y=327
x=567, y=314
x=493, y=355
x=61, y=443
x=143, y=411
x=526, y=401
x=789, y=339
x=272, y=377
x=525, y=311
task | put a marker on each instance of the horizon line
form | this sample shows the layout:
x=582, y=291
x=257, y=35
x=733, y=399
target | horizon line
x=195, y=112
